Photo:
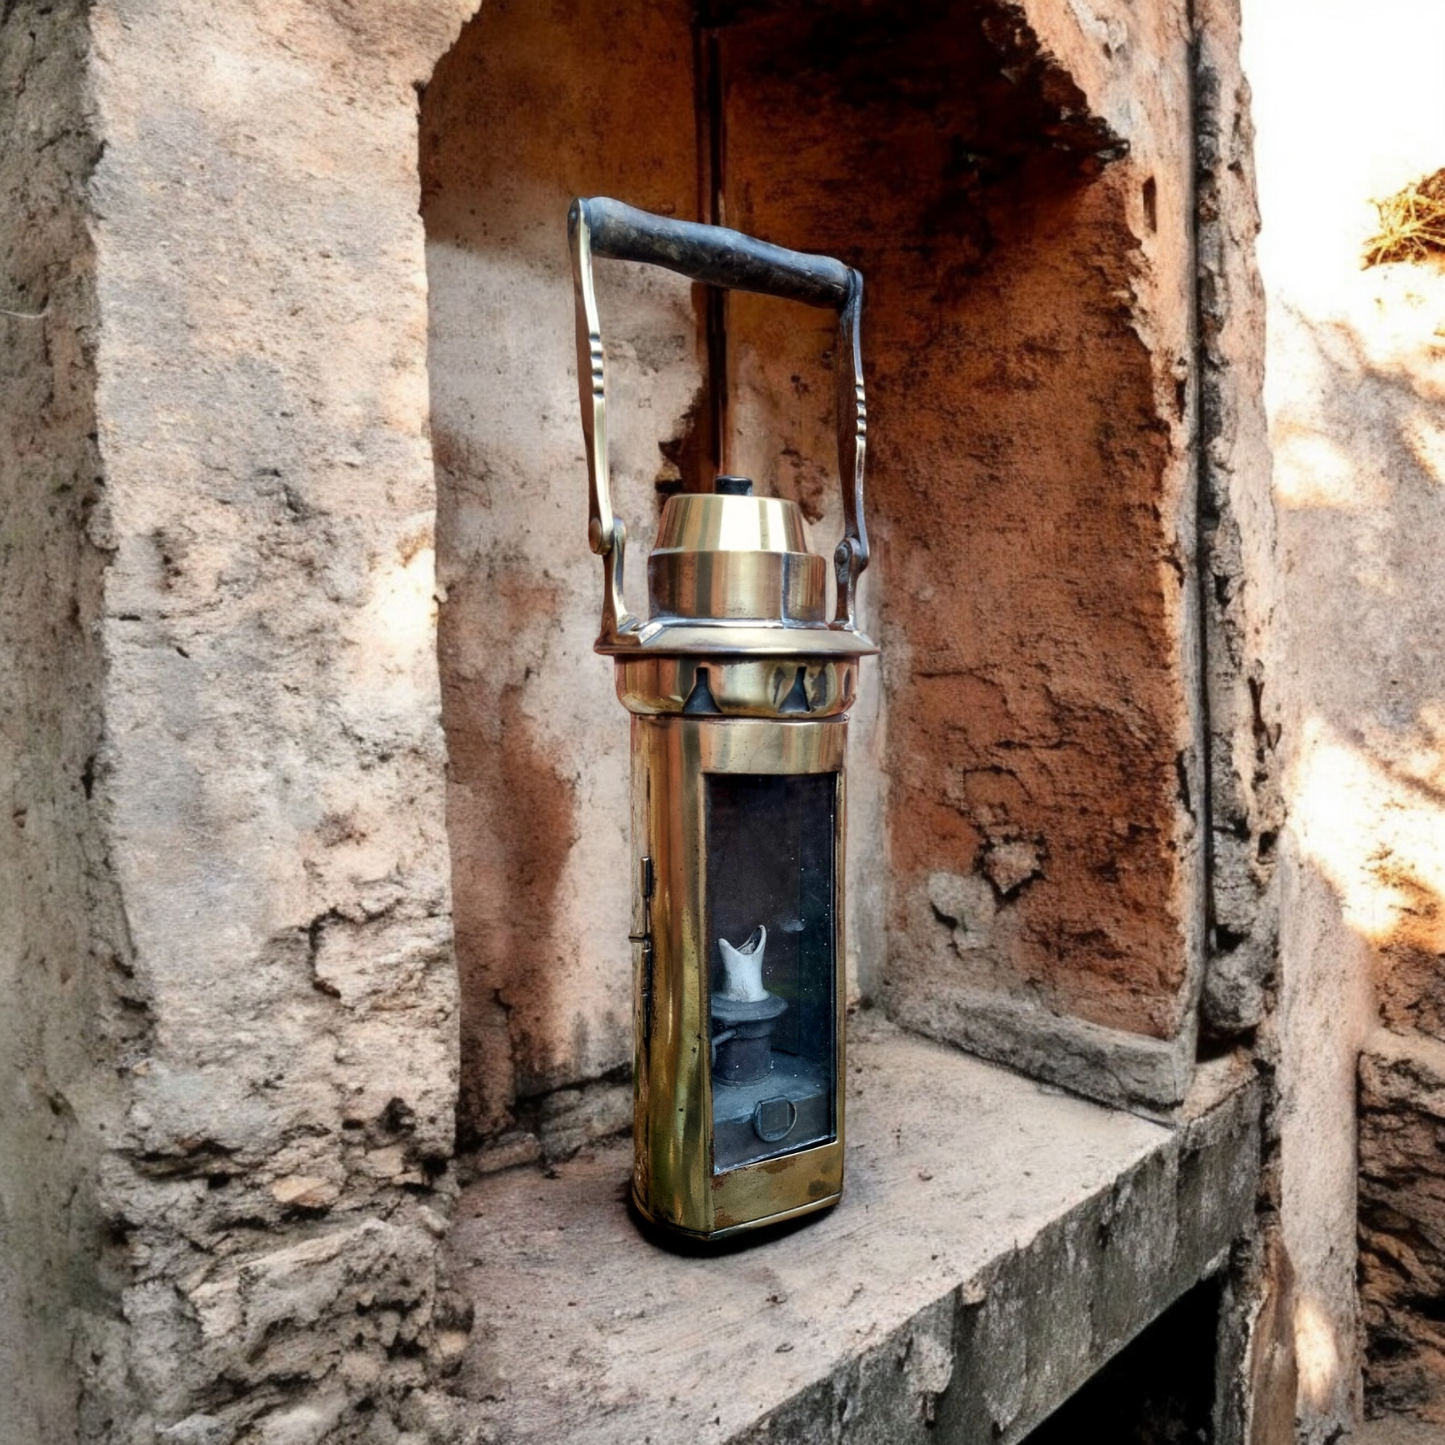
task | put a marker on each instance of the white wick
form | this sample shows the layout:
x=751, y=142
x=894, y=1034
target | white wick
x=743, y=968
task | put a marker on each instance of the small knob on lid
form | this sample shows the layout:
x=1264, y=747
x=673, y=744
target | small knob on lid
x=734, y=486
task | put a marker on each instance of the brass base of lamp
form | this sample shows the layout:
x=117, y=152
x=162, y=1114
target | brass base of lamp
x=751, y=1226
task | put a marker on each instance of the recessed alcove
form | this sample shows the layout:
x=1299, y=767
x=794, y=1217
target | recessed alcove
x=1017, y=832
x=1020, y=768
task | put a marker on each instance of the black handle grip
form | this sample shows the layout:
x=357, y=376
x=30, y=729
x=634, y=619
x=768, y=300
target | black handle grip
x=713, y=255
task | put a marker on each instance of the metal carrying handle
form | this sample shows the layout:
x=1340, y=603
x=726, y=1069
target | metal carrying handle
x=714, y=256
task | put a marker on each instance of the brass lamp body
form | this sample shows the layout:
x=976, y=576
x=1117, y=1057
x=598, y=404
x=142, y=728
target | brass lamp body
x=738, y=684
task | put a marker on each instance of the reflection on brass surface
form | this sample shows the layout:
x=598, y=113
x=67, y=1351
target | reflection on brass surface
x=768, y=687
x=759, y=1193
x=748, y=745
x=790, y=586
x=725, y=637
x=708, y=522
x=673, y=1180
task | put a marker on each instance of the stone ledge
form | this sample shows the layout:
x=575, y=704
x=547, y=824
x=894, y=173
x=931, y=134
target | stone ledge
x=997, y=1243
x=1123, y=1070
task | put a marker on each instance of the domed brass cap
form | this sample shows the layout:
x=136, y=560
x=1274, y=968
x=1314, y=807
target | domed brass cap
x=730, y=557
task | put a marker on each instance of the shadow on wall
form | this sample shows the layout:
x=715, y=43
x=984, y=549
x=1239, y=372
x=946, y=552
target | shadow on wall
x=537, y=103
x=1367, y=789
x=1360, y=478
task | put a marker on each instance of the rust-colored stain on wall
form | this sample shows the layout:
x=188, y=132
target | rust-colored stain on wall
x=513, y=821
x=1017, y=464
x=1042, y=700
x=1025, y=566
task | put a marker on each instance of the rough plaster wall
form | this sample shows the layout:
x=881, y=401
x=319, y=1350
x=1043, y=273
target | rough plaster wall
x=1345, y=112
x=537, y=104
x=1237, y=540
x=62, y=1021
x=1402, y=1223
x=1256, y=1374
x=268, y=785
x=1031, y=494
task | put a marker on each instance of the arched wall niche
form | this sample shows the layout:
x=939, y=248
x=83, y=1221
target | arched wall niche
x=1021, y=846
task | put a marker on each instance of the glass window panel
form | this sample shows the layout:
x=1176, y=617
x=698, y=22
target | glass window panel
x=773, y=1004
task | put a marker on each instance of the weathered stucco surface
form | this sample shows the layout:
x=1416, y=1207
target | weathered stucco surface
x=1237, y=539
x=1257, y=1372
x=225, y=837
x=1015, y=183
x=61, y=969
x=1349, y=112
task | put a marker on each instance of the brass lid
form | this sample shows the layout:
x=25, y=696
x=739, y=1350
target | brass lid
x=731, y=575
x=734, y=557
x=729, y=522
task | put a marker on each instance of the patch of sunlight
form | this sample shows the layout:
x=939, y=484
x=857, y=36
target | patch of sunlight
x=1317, y=67
x=1378, y=838
x=396, y=630
x=1424, y=759
x=1313, y=470
x=1400, y=325
x=1316, y=1350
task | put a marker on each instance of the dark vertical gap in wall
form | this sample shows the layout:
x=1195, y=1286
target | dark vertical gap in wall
x=1206, y=524
x=711, y=151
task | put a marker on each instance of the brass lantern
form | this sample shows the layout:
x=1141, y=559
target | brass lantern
x=738, y=685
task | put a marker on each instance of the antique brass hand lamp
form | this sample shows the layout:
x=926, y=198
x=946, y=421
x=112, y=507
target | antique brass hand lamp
x=738, y=686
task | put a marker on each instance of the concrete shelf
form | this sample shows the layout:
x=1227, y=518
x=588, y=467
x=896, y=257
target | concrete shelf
x=997, y=1243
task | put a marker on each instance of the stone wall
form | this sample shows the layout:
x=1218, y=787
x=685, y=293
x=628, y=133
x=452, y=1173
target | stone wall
x=1238, y=580
x=237, y=1020
x=1402, y=1224
x=64, y=963
x=1257, y=1377
x=1346, y=113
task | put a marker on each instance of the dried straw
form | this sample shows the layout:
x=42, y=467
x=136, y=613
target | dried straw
x=1412, y=224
